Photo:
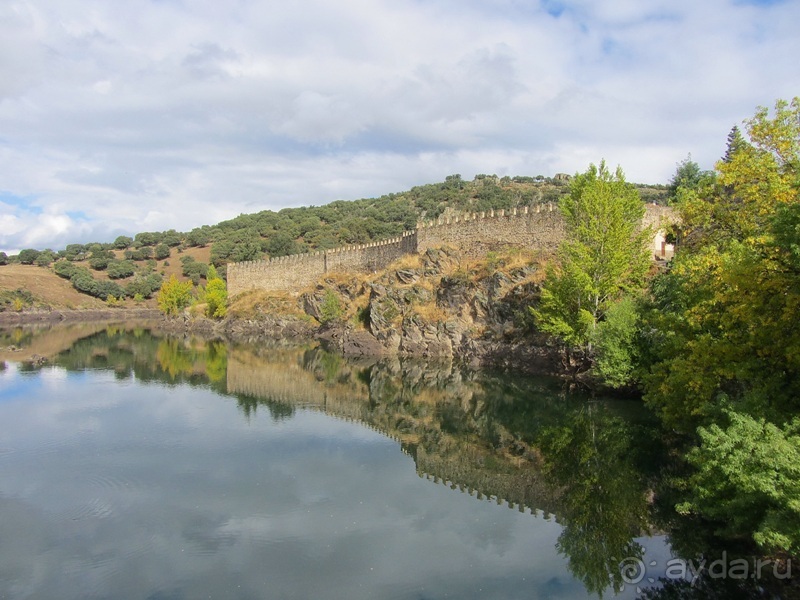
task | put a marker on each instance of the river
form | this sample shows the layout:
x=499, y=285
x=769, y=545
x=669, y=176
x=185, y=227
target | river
x=138, y=465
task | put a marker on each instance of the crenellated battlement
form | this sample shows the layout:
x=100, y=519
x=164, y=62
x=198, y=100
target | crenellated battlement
x=491, y=214
x=539, y=227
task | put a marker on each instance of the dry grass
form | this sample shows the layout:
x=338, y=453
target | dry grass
x=46, y=286
x=252, y=303
x=430, y=313
x=409, y=261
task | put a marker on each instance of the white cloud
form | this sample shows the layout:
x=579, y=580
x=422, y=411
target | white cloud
x=153, y=115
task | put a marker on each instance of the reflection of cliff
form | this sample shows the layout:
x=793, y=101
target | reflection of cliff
x=435, y=414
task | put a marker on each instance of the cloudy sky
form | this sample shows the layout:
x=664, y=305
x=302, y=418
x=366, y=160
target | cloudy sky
x=119, y=117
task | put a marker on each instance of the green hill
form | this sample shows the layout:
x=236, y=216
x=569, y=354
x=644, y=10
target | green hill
x=134, y=266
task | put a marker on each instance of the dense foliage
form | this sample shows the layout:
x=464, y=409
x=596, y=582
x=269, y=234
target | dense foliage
x=722, y=358
x=174, y=296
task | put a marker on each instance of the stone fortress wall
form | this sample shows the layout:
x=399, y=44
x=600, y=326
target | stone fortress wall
x=539, y=228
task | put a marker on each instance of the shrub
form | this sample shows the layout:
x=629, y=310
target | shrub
x=65, y=269
x=99, y=263
x=216, y=298
x=120, y=269
x=331, y=307
x=174, y=296
x=162, y=251
x=144, y=285
x=123, y=242
x=194, y=269
x=45, y=258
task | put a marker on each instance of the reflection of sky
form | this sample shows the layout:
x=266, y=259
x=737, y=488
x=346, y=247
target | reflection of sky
x=135, y=491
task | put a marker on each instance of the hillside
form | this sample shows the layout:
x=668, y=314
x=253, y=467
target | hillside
x=134, y=267
x=39, y=288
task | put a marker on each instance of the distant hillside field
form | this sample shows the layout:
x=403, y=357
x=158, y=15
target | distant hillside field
x=45, y=287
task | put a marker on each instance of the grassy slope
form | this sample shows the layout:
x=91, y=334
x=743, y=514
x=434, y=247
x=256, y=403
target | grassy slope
x=50, y=290
x=47, y=287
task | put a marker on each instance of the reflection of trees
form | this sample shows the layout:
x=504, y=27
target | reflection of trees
x=603, y=501
x=703, y=587
x=279, y=411
x=521, y=441
x=193, y=358
x=18, y=336
x=138, y=351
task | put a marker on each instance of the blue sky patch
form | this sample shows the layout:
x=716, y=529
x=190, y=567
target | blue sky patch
x=23, y=202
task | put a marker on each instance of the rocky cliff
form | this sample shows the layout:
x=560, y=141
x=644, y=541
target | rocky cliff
x=436, y=304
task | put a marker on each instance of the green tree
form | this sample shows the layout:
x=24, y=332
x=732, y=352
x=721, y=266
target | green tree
x=171, y=238
x=591, y=457
x=74, y=252
x=688, y=176
x=216, y=295
x=735, y=143
x=748, y=479
x=147, y=238
x=194, y=269
x=616, y=345
x=64, y=268
x=123, y=242
x=174, y=296
x=144, y=285
x=45, y=258
x=281, y=244
x=99, y=263
x=724, y=361
x=198, y=237
x=3, y=258
x=603, y=257
x=162, y=251
x=28, y=256
x=723, y=328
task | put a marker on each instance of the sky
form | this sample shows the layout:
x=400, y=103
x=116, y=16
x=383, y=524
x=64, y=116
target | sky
x=145, y=115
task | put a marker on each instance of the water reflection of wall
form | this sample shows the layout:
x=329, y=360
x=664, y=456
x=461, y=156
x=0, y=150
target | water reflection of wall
x=403, y=401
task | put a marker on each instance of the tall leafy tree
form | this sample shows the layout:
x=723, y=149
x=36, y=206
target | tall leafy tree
x=174, y=296
x=687, y=175
x=603, y=257
x=725, y=324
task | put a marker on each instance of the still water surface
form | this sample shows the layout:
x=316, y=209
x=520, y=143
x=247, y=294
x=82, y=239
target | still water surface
x=133, y=465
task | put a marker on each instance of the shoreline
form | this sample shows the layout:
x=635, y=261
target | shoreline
x=528, y=357
x=55, y=316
